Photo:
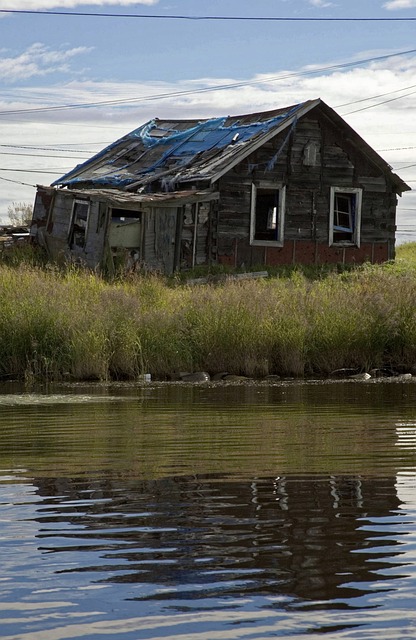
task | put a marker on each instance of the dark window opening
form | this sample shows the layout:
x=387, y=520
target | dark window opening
x=79, y=224
x=266, y=215
x=125, y=215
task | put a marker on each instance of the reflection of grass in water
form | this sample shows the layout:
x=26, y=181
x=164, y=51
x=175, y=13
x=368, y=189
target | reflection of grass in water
x=339, y=428
x=14, y=399
x=74, y=325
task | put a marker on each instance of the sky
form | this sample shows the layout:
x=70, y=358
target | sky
x=71, y=84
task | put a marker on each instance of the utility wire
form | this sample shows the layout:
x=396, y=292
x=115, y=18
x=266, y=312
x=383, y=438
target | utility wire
x=35, y=148
x=406, y=167
x=90, y=152
x=39, y=155
x=380, y=95
x=201, y=18
x=45, y=171
x=25, y=184
x=379, y=103
x=220, y=87
x=396, y=149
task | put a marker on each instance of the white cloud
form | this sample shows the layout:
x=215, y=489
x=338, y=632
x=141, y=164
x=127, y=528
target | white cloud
x=321, y=3
x=37, y=60
x=39, y=5
x=387, y=126
x=400, y=4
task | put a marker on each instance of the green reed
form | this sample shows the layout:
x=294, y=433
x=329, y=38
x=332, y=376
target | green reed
x=71, y=324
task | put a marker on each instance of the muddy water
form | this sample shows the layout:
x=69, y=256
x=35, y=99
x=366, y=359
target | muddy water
x=208, y=512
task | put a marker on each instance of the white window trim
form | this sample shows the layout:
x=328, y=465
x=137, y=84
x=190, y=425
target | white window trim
x=280, y=215
x=357, y=227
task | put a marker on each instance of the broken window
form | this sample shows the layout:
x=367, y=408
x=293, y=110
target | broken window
x=125, y=228
x=79, y=224
x=345, y=216
x=267, y=215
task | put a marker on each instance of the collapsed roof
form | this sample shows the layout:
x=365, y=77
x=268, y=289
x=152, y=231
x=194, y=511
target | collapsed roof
x=175, y=152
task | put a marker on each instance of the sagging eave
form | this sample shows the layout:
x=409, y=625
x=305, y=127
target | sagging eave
x=127, y=199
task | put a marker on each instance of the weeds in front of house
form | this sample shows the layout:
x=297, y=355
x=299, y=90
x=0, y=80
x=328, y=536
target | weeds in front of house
x=73, y=324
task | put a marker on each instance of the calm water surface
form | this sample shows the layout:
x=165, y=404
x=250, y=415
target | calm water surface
x=208, y=512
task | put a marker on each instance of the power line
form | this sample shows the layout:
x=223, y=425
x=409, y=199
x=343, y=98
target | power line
x=38, y=155
x=58, y=147
x=406, y=167
x=145, y=16
x=25, y=184
x=396, y=149
x=45, y=171
x=380, y=95
x=221, y=87
x=35, y=148
x=379, y=103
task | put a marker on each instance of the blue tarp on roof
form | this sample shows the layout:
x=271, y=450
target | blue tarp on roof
x=160, y=145
x=205, y=135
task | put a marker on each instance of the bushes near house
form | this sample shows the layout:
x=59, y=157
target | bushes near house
x=73, y=324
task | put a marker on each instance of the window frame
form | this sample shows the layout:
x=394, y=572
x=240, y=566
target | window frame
x=280, y=218
x=71, y=234
x=356, y=232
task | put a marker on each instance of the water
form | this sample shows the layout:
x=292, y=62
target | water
x=208, y=512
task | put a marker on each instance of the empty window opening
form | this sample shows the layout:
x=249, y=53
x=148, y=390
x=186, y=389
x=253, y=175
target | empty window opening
x=79, y=224
x=125, y=215
x=125, y=229
x=267, y=215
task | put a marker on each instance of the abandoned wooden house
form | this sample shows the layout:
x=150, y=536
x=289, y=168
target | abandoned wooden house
x=293, y=185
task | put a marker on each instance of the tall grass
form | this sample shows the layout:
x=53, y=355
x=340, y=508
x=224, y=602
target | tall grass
x=73, y=324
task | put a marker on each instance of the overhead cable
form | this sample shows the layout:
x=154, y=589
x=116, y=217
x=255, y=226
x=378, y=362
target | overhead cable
x=220, y=87
x=149, y=16
x=379, y=103
x=25, y=184
x=45, y=171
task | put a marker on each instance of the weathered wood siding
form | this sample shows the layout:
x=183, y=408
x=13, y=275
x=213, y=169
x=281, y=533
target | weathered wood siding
x=159, y=238
x=53, y=220
x=196, y=234
x=315, y=158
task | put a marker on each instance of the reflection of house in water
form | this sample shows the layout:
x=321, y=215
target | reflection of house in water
x=406, y=434
x=294, y=536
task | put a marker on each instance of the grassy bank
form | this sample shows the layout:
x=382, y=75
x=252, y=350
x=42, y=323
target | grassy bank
x=75, y=325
